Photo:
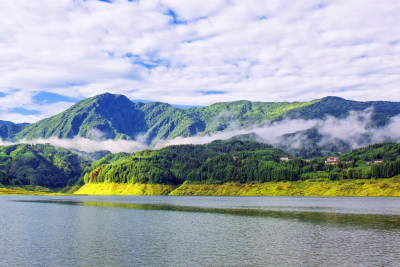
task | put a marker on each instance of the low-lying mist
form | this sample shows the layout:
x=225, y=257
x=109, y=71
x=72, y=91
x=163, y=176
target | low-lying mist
x=87, y=145
x=356, y=130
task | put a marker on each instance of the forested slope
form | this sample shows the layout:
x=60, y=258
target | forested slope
x=243, y=161
x=42, y=165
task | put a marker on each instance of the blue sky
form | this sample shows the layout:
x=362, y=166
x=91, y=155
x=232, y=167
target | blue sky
x=195, y=53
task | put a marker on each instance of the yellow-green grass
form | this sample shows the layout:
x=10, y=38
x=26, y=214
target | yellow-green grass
x=25, y=190
x=389, y=187
x=124, y=189
x=363, y=188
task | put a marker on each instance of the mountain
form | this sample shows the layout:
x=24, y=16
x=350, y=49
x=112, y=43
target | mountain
x=340, y=108
x=112, y=116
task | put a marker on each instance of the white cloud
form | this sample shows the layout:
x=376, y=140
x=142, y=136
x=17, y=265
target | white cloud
x=265, y=51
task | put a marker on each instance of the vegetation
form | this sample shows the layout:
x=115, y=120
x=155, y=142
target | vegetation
x=242, y=161
x=340, y=108
x=125, y=189
x=8, y=130
x=320, y=187
x=115, y=116
x=39, y=165
x=231, y=167
x=176, y=164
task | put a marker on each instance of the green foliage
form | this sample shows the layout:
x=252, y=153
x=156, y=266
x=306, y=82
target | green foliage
x=242, y=161
x=42, y=165
x=8, y=129
x=218, y=161
x=115, y=116
x=340, y=108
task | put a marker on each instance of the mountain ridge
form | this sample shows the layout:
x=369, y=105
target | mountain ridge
x=111, y=116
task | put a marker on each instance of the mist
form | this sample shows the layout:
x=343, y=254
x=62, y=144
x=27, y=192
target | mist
x=87, y=145
x=355, y=129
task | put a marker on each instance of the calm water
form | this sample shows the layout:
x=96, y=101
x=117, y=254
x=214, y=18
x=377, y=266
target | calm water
x=198, y=231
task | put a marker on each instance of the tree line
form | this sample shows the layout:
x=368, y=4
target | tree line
x=242, y=161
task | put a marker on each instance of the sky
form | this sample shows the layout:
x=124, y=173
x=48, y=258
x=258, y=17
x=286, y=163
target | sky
x=195, y=53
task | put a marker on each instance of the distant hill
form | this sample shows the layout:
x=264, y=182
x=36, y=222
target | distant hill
x=8, y=129
x=340, y=108
x=42, y=165
x=112, y=116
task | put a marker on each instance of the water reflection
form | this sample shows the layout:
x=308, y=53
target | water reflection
x=373, y=221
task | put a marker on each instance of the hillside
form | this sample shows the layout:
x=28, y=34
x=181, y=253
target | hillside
x=340, y=108
x=116, y=117
x=113, y=116
x=8, y=130
x=242, y=161
x=41, y=165
x=221, y=161
x=238, y=161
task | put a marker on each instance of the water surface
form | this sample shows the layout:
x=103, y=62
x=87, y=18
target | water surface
x=205, y=231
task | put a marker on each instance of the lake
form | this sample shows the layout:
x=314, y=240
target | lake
x=198, y=231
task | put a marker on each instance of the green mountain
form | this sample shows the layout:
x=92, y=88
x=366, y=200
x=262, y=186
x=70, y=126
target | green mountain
x=116, y=117
x=42, y=165
x=340, y=108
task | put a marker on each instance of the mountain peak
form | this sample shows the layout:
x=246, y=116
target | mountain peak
x=108, y=115
x=333, y=98
x=108, y=97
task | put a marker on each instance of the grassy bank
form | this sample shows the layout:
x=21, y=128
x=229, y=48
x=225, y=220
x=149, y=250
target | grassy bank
x=389, y=187
x=25, y=190
x=124, y=189
x=363, y=188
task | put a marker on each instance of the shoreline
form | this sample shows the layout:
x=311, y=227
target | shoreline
x=388, y=187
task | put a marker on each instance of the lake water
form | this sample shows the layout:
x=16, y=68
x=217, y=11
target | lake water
x=198, y=231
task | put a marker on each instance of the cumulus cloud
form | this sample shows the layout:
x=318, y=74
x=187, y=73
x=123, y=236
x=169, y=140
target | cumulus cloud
x=172, y=51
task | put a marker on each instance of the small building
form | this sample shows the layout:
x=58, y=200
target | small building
x=332, y=160
x=378, y=161
x=286, y=158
